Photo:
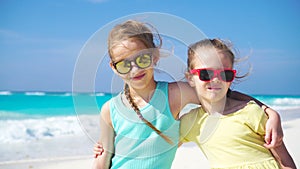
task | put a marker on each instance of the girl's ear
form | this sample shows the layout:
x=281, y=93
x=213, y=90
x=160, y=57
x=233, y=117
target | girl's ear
x=190, y=79
x=111, y=65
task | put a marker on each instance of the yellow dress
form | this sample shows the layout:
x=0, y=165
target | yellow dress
x=230, y=141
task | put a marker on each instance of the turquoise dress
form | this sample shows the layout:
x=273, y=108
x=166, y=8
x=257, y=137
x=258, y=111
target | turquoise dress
x=137, y=146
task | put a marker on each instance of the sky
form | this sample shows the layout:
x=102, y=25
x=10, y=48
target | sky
x=41, y=41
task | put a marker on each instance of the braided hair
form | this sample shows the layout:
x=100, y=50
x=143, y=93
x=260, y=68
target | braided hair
x=138, y=112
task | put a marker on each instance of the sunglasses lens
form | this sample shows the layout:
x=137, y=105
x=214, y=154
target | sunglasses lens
x=123, y=67
x=143, y=61
x=206, y=75
x=227, y=75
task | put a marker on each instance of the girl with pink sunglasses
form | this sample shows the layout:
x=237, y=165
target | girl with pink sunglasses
x=229, y=132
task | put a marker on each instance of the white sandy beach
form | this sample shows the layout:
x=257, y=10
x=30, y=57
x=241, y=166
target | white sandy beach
x=187, y=157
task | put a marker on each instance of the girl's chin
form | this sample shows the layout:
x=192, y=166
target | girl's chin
x=215, y=97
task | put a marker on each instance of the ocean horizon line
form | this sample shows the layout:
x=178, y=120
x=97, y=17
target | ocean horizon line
x=37, y=92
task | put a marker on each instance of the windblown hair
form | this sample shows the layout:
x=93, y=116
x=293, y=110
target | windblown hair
x=144, y=32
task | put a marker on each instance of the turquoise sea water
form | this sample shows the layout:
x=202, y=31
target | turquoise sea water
x=26, y=116
x=22, y=105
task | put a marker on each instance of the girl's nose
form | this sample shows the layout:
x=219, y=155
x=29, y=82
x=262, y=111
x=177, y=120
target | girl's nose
x=134, y=67
x=216, y=79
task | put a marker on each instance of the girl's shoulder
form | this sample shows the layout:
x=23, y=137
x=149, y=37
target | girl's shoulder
x=233, y=105
x=184, y=92
x=252, y=106
x=105, y=107
x=192, y=114
x=246, y=107
x=105, y=112
x=178, y=85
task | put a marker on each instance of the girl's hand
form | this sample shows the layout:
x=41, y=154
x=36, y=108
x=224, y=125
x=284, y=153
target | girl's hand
x=98, y=150
x=274, y=133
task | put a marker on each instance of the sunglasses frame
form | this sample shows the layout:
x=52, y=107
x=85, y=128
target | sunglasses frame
x=217, y=73
x=134, y=59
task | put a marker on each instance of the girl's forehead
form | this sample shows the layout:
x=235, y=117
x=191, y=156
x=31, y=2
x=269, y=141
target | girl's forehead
x=212, y=60
x=127, y=48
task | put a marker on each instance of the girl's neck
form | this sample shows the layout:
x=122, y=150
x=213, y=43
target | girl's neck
x=145, y=94
x=214, y=107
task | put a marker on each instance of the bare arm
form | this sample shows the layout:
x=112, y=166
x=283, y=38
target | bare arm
x=274, y=133
x=107, y=135
x=180, y=94
x=283, y=157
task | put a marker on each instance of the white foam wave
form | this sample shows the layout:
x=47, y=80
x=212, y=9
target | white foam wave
x=35, y=93
x=280, y=108
x=5, y=93
x=35, y=129
x=60, y=94
x=287, y=101
x=99, y=94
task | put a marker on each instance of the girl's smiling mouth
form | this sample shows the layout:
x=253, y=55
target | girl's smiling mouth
x=138, y=77
x=214, y=88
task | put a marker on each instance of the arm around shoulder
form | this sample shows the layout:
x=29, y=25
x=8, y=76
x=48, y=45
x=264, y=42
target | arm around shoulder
x=106, y=139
